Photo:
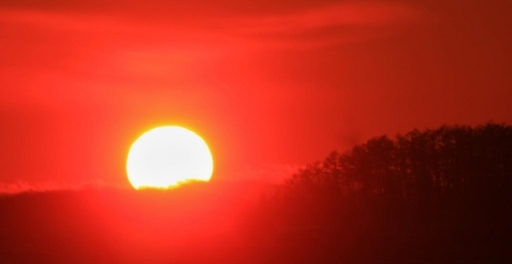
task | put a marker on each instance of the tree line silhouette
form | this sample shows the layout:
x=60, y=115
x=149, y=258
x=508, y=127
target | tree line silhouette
x=434, y=196
x=418, y=166
x=438, y=195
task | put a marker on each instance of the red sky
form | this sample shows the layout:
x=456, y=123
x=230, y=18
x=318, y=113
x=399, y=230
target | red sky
x=270, y=85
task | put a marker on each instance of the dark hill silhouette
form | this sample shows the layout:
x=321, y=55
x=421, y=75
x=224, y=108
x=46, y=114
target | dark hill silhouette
x=190, y=224
x=433, y=196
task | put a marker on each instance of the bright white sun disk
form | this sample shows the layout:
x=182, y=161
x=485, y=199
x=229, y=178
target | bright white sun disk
x=167, y=156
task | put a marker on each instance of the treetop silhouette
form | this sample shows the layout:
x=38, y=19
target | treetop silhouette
x=418, y=166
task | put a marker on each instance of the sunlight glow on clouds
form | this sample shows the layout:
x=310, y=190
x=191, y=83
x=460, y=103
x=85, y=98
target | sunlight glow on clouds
x=79, y=50
x=332, y=15
x=287, y=26
x=259, y=78
x=328, y=25
x=272, y=172
x=20, y=186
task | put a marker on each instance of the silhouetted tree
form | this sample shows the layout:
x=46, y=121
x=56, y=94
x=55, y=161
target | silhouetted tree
x=451, y=185
x=417, y=166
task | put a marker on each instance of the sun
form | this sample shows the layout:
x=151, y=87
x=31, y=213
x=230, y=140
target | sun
x=167, y=156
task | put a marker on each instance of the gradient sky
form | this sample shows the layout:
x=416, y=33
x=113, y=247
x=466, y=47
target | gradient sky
x=270, y=85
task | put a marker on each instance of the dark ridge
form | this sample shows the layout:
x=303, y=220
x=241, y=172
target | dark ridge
x=434, y=196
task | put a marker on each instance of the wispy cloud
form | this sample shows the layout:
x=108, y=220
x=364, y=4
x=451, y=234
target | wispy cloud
x=75, y=55
x=272, y=172
x=331, y=15
x=327, y=24
x=330, y=24
x=20, y=186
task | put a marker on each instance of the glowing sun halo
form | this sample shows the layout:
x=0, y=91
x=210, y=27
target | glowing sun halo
x=167, y=156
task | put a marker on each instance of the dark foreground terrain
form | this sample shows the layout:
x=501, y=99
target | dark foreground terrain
x=105, y=226
x=434, y=196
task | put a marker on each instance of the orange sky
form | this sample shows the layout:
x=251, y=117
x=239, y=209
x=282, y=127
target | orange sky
x=270, y=85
